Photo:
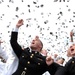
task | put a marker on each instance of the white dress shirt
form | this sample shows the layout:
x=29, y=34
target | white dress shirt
x=46, y=73
x=11, y=64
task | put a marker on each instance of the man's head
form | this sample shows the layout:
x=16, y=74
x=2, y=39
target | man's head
x=60, y=61
x=36, y=44
x=71, y=51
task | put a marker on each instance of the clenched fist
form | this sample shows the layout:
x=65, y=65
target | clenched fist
x=20, y=23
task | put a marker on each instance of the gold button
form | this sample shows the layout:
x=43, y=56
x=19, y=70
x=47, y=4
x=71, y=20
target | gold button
x=72, y=61
x=35, y=51
x=23, y=56
x=23, y=73
x=25, y=68
x=28, y=62
x=32, y=54
x=38, y=63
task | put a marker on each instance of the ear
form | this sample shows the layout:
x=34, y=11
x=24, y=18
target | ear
x=40, y=46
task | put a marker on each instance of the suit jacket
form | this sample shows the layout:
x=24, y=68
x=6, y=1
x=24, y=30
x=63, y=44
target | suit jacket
x=30, y=63
x=70, y=66
x=68, y=69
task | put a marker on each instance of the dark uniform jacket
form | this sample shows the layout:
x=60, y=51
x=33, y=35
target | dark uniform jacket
x=68, y=69
x=70, y=66
x=30, y=63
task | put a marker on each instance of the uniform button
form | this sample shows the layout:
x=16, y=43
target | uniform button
x=38, y=63
x=23, y=56
x=25, y=68
x=23, y=73
x=31, y=56
x=35, y=52
x=72, y=61
x=28, y=62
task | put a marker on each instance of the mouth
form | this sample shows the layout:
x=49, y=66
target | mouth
x=72, y=50
x=32, y=43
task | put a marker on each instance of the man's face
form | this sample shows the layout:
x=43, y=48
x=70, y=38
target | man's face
x=71, y=50
x=36, y=43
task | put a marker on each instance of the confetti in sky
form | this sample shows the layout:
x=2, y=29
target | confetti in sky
x=51, y=20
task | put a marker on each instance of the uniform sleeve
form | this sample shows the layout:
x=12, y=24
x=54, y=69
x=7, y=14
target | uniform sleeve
x=61, y=71
x=3, y=53
x=16, y=47
x=11, y=64
x=53, y=68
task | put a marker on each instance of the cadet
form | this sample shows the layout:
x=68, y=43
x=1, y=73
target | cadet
x=31, y=62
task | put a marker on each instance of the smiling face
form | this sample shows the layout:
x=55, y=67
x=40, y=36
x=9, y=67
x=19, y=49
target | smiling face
x=36, y=44
x=71, y=50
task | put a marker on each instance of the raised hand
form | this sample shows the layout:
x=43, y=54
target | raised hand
x=71, y=34
x=20, y=23
x=49, y=60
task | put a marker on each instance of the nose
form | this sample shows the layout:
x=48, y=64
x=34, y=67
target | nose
x=33, y=39
x=36, y=37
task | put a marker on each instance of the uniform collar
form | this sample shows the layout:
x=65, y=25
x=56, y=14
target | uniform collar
x=32, y=51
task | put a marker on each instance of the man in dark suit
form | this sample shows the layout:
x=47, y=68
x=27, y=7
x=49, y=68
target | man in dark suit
x=31, y=62
x=69, y=68
x=70, y=65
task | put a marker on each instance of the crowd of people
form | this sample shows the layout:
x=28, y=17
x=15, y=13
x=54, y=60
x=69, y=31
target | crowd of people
x=34, y=60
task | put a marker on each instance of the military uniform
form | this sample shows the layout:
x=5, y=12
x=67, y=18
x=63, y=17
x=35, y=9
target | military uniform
x=68, y=69
x=70, y=66
x=30, y=62
x=8, y=62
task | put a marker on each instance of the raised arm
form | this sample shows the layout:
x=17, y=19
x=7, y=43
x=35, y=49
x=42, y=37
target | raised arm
x=71, y=36
x=3, y=53
x=13, y=41
x=11, y=63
